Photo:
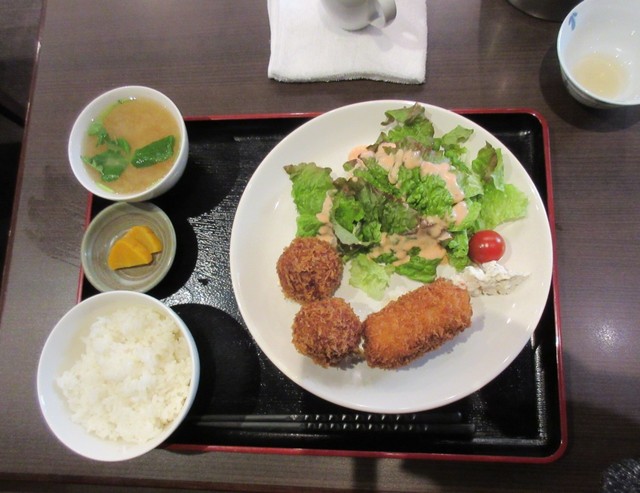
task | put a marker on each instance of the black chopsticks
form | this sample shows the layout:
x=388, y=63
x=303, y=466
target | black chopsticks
x=435, y=424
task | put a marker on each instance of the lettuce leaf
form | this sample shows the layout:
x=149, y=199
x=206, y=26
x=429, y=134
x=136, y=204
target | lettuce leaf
x=499, y=206
x=364, y=212
x=469, y=222
x=310, y=184
x=427, y=194
x=419, y=269
x=407, y=115
x=458, y=249
x=369, y=276
x=489, y=167
x=453, y=138
x=352, y=214
x=470, y=184
x=412, y=125
x=376, y=176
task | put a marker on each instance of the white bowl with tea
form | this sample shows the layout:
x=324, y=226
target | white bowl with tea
x=129, y=144
x=599, y=53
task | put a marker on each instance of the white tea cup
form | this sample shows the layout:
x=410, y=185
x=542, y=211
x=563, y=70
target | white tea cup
x=353, y=15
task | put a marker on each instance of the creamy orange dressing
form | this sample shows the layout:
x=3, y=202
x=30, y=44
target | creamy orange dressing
x=325, y=233
x=326, y=230
x=460, y=211
x=401, y=245
x=356, y=152
x=323, y=215
x=443, y=171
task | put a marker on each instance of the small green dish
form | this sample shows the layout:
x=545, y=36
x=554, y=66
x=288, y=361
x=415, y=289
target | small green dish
x=110, y=225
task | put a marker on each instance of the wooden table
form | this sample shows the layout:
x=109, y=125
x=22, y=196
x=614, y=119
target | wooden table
x=211, y=57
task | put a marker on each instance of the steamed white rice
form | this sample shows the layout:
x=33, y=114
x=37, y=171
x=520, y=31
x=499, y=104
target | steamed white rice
x=133, y=377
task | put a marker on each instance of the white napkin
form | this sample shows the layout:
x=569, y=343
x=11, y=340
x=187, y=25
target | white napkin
x=306, y=46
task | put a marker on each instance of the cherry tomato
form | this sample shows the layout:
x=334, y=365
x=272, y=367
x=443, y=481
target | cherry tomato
x=485, y=246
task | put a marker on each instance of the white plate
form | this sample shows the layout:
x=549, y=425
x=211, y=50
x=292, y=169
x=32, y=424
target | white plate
x=265, y=224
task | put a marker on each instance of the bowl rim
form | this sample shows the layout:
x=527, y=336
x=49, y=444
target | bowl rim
x=598, y=101
x=93, y=108
x=50, y=362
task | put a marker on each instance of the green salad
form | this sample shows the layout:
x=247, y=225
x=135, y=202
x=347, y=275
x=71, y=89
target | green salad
x=407, y=203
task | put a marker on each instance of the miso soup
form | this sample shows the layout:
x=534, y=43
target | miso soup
x=128, y=128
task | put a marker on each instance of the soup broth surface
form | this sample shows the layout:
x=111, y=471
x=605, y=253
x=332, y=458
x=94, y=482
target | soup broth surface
x=602, y=74
x=139, y=121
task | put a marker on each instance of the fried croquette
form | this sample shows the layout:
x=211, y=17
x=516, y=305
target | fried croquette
x=309, y=269
x=415, y=323
x=328, y=331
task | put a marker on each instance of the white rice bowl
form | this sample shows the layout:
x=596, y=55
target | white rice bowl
x=117, y=375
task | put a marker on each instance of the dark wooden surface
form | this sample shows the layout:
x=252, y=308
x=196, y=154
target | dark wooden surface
x=211, y=57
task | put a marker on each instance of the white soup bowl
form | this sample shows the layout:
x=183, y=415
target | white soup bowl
x=599, y=53
x=93, y=111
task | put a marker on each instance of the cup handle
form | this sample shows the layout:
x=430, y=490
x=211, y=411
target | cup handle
x=385, y=12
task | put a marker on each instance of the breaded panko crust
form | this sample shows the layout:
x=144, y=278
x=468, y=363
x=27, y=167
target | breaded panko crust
x=328, y=331
x=415, y=323
x=309, y=269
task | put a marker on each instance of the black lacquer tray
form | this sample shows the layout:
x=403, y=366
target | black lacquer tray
x=518, y=417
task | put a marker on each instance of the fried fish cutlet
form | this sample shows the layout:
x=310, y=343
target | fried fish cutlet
x=309, y=269
x=415, y=323
x=328, y=331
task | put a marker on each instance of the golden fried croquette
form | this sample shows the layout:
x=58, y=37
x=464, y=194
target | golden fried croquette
x=328, y=331
x=415, y=323
x=309, y=269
